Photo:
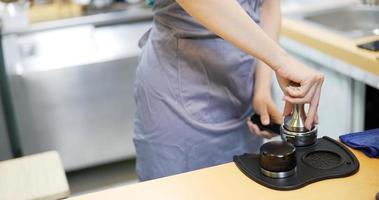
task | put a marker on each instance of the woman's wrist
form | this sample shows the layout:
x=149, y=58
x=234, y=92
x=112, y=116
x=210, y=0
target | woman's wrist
x=263, y=78
x=280, y=59
x=263, y=91
x=262, y=88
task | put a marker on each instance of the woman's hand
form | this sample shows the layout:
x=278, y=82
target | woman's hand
x=309, y=83
x=266, y=108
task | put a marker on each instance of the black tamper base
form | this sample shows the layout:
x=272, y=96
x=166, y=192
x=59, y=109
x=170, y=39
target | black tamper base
x=325, y=159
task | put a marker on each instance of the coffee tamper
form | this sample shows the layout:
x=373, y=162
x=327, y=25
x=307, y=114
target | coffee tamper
x=277, y=159
x=293, y=129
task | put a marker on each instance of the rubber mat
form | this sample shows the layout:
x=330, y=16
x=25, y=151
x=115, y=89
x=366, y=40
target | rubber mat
x=325, y=159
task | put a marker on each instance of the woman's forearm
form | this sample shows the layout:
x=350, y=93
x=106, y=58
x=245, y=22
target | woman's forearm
x=227, y=19
x=270, y=23
x=271, y=18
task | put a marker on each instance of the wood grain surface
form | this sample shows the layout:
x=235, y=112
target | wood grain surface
x=227, y=182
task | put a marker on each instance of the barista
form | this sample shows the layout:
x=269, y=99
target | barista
x=206, y=66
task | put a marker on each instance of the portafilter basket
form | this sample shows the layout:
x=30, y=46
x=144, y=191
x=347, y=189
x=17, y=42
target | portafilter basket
x=293, y=129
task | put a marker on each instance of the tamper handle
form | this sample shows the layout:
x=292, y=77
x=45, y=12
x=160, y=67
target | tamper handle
x=298, y=110
x=271, y=127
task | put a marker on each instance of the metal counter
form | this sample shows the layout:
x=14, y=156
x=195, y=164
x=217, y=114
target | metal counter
x=72, y=85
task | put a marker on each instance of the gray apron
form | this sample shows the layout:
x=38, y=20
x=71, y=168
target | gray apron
x=193, y=93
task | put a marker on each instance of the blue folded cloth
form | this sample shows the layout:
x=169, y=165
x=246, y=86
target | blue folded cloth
x=366, y=141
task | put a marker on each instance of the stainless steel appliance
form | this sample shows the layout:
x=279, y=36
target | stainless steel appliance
x=72, y=86
x=5, y=147
x=5, y=150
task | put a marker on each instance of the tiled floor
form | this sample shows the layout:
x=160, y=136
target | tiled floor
x=102, y=177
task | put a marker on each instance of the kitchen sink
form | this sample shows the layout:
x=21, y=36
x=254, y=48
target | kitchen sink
x=352, y=21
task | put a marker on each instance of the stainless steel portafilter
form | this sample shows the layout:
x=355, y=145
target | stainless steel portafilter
x=293, y=129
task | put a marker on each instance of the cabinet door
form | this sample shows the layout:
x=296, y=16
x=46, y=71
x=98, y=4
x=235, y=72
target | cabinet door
x=83, y=112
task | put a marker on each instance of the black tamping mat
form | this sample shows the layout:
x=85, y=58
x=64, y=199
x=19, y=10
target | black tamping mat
x=325, y=159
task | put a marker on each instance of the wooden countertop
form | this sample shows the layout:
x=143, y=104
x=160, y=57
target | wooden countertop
x=332, y=43
x=227, y=182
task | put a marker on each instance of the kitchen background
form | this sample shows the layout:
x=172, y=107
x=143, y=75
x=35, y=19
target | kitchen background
x=67, y=73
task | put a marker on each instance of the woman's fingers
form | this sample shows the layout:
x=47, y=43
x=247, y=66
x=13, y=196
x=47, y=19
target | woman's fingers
x=312, y=112
x=306, y=99
x=274, y=113
x=300, y=91
x=250, y=125
x=255, y=130
x=265, y=117
x=287, y=108
x=283, y=82
x=264, y=134
x=267, y=134
x=316, y=119
x=307, y=93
